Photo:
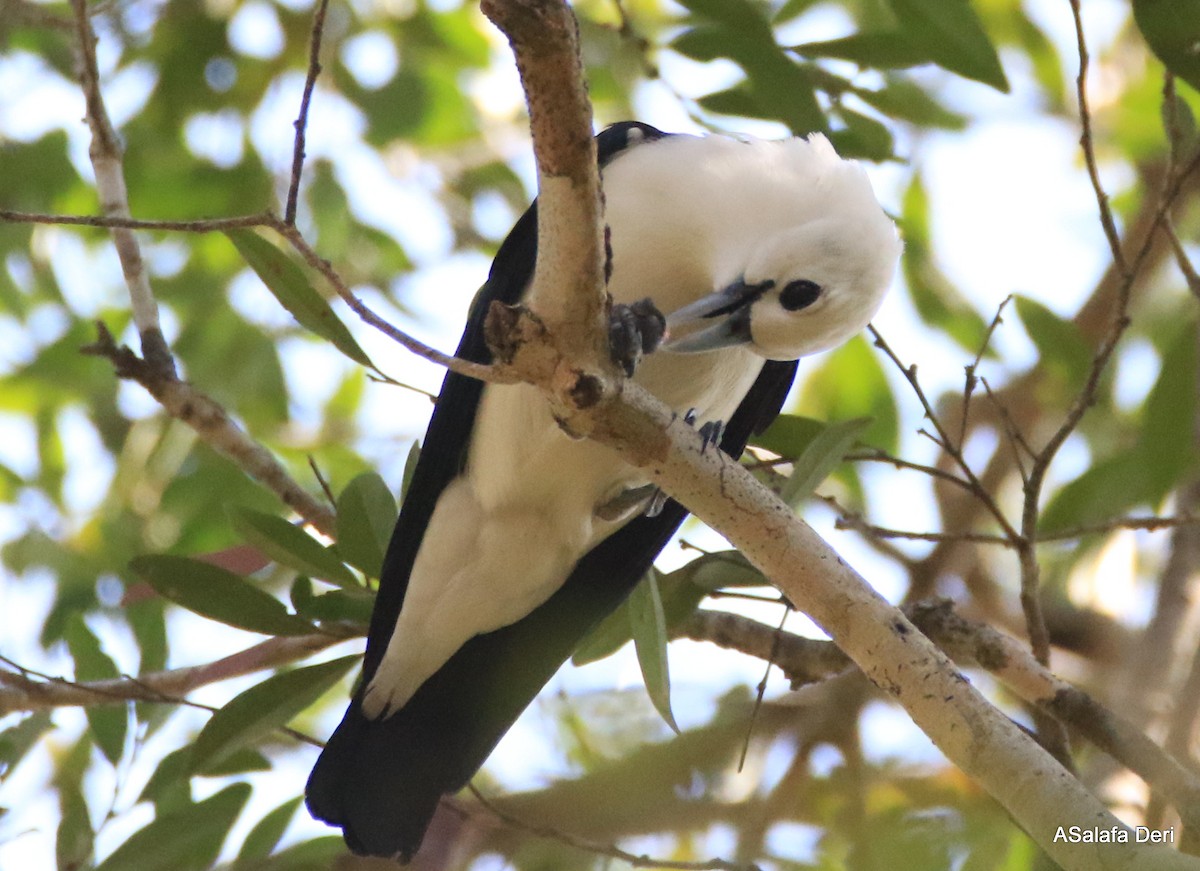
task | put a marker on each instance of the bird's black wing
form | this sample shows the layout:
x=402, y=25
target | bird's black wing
x=350, y=761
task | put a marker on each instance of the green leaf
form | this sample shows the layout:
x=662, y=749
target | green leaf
x=410, y=468
x=263, y=708
x=1179, y=122
x=793, y=9
x=74, y=841
x=737, y=16
x=863, y=137
x=1105, y=491
x=721, y=570
x=1172, y=30
x=366, y=515
x=289, y=545
x=238, y=762
x=952, y=35
x=186, y=839
x=820, y=458
x=17, y=740
x=169, y=787
x=265, y=835
x=903, y=100
x=703, y=44
x=290, y=286
x=315, y=854
x=1168, y=417
x=738, y=101
x=851, y=383
x=784, y=89
x=649, y=628
x=108, y=723
x=888, y=49
x=1060, y=346
x=788, y=435
x=606, y=638
x=1149, y=471
x=351, y=604
x=680, y=592
x=218, y=594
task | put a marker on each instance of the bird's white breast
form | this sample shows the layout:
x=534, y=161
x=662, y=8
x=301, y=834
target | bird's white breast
x=684, y=215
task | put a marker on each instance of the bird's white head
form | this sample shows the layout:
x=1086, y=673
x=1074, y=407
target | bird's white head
x=809, y=283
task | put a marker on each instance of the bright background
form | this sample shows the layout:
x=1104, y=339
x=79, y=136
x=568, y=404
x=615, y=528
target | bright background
x=1010, y=210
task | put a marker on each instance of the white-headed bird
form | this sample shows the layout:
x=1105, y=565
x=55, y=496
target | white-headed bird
x=514, y=539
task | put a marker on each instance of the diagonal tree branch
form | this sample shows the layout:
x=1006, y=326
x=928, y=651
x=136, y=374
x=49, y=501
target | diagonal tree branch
x=109, y=165
x=889, y=649
x=216, y=427
x=20, y=691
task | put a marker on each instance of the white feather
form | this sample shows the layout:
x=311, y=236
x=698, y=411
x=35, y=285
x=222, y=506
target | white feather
x=688, y=217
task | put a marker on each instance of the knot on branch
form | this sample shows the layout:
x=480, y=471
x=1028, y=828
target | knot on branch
x=157, y=367
x=509, y=330
x=519, y=341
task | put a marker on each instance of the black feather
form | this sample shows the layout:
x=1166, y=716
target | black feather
x=381, y=780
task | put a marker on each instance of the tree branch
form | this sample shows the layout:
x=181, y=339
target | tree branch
x=568, y=286
x=109, y=166
x=970, y=643
x=301, y=122
x=889, y=649
x=214, y=425
x=21, y=692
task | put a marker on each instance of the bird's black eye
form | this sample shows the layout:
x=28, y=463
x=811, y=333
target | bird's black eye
x=799, y=294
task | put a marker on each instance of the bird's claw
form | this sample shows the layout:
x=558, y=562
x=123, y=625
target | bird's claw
x=648, y=499
x=710, y=433
x=657, y=503
x=633, y=331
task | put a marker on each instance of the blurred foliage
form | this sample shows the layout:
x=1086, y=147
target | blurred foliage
x=122, y=518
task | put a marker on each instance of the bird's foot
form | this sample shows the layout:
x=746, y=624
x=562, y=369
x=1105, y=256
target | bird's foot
x=710, y=433
x=633, y=331
x=647, y=499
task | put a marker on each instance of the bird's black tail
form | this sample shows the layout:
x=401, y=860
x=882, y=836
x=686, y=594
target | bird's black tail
x=380, y=780
x=359, y=785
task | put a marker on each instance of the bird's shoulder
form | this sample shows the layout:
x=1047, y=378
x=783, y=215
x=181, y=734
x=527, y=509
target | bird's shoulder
x=622, y=136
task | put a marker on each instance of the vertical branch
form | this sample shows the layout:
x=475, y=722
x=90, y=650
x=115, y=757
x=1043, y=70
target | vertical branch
x=1030, y=570
x=301, y=122
x=1087, y=144
x=567, y=291
x=108, y=163
x=155, y=370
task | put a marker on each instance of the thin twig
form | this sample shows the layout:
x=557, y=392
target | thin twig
x=761, y=689
x=20, y=692
x=108, y=164
x=852, y=520
x=611, y=851
x=215, y=426
x=943, y=440
x=1144, y=524
x=202, y=225
x=1015, y=438
x=325, y=488
x=493, y=374
x=301, y=122
x=970, y=379
x=881, y=456
x=1088, y=146
x=1182, y=260
x=1030, y=570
